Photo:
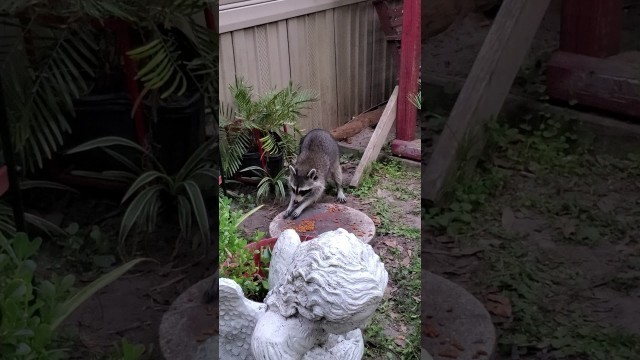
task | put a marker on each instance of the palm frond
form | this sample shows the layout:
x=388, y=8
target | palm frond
x=161, y=70
x=40, y=89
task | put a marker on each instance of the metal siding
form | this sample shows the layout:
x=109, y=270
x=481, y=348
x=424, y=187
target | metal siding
x=227, y=68
x=262, y=56
x=312, y=59
x=382, y=69
x=339, y=53
x=354, y=56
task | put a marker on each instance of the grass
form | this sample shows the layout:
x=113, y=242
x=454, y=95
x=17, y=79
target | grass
x=538, y=164
x=394, y=330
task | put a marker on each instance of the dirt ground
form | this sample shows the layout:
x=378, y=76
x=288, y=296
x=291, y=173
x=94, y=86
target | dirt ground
x=453, y=52
x=390, y=196
x=131, y=307
x=547, y=234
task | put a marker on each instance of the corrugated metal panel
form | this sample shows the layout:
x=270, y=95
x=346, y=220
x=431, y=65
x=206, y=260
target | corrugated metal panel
x=312, y=60
x=227, y=67
x=339, y=53
x=262, y=56
x=383, y=68
x=354, y=54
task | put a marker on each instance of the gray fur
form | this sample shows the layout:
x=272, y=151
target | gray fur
x=317, y=164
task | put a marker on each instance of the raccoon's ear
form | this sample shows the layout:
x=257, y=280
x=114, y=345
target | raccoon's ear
x=292, y=170
x=311, y=173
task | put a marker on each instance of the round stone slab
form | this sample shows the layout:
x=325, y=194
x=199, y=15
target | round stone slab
x=189, y=329
x=322, y=217
x=454, y=323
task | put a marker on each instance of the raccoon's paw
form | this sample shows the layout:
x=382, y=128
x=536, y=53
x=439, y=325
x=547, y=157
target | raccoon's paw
x=287, y=213
x=341, y=197
x=295, y=214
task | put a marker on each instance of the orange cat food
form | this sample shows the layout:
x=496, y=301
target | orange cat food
x=306, y=226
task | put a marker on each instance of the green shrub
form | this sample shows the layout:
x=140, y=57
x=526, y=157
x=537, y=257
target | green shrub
x=29, y=315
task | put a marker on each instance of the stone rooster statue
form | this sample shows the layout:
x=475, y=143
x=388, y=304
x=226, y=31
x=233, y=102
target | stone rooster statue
x=321, y=293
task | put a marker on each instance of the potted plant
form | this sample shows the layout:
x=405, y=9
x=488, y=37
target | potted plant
x=56, y=53
x=260, y=132
x=4, y=177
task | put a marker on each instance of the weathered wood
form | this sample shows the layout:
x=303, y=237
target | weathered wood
x=605, y=84
x=591, y=27
x=356, y=125
x=378, y=138
x=407, y=149
x=484, y=92
x=609, y=135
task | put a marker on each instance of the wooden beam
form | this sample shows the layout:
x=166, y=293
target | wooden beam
x=357, y=124
x=611, y=136
x=378, y=138
x=484, y=92
x=606, y=84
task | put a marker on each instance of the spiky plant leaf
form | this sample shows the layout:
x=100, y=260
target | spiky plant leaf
x=107, y=141
x=184, y=213
x=40, y=88
x=44, y=225
x=199, y=209
x=134, y=212
x=33, y=184
x=147, y=179
x=202, y=156
x=85, y=293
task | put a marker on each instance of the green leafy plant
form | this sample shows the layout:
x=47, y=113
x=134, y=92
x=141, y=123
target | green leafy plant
x=269, y=184
x=237, y=262
x=128, y=351
x=87, y=249
x=269, y=121
x=31, y=314
x=7, y=224
x=416, y=99
x=50, y=57
x=154, y=190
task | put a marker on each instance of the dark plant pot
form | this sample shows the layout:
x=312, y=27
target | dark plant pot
x=263, y=244
x=99, y=116
x=274, y=164
x=178, y=130
x=4, y=179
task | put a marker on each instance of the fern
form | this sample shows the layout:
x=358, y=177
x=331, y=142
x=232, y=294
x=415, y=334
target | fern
x=42, y=78
x=40, y=90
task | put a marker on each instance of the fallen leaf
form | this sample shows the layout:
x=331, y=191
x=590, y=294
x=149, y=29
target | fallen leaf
x=479, y=353
x=499, y=305
x=449, y=352
x=457, y=345
x=406, y=261
x=390, y=242
x=430, y=331
x=400, y=340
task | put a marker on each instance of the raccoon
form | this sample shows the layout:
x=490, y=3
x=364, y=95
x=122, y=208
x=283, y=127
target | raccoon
x=317, y=163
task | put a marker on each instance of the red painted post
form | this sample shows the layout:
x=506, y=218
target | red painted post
x=591, y=27
x=121, y=30
x=409, y=70
x=210, y=19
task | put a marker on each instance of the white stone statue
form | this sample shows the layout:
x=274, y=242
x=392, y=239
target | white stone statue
x=321, y=293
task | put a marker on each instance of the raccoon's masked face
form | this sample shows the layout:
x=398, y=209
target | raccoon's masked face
x=302, y=184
